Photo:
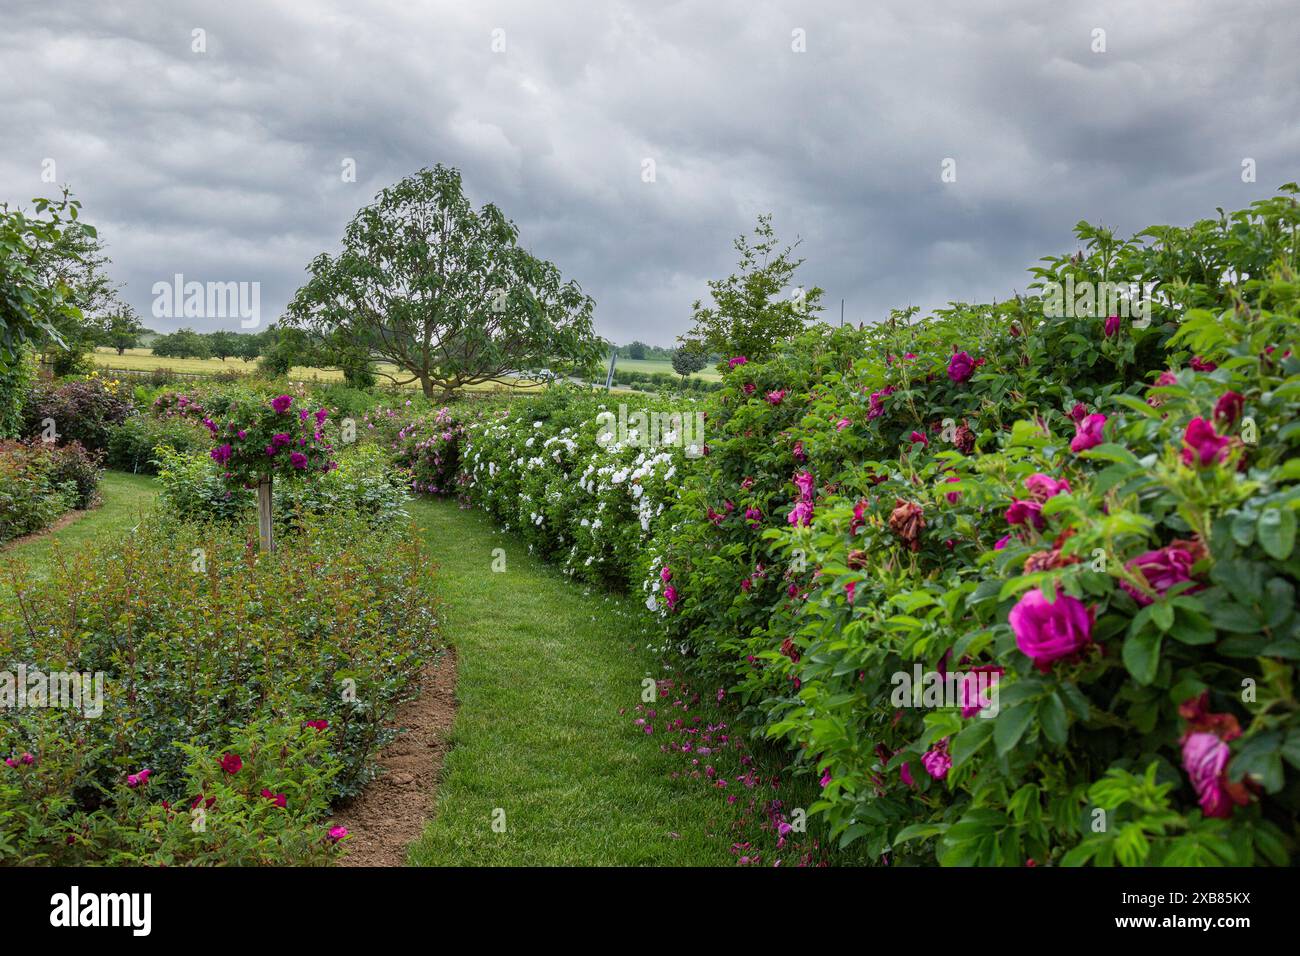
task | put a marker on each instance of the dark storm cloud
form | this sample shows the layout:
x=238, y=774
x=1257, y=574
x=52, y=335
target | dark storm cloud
x=226, y=165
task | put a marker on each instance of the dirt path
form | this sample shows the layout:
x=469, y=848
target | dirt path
x=390, y=813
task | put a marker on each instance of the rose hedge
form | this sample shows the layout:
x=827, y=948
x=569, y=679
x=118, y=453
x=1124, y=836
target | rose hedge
x=1091, y=510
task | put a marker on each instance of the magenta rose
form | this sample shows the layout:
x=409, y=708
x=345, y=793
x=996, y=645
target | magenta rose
x=1047, y=631
x=1229, y=407
x=1161, y=569
x=961, y=367
x=936, y=761
x=1041, y=486
x=801, y=514
x=1088, y=433
x=1205, y=758
x=737, y=360
x=1028, y=513
x=1205, y=446
x=1112, y=326
x=281, y=403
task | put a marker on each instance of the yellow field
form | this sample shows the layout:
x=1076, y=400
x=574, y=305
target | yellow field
x=145, y=361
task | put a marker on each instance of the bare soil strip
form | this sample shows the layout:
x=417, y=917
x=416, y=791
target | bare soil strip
x=389, y=814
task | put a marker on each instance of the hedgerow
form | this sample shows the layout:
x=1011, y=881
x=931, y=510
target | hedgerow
x=1077, y=521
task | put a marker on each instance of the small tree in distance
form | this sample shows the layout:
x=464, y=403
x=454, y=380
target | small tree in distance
x=689, y=359
x=758, y=307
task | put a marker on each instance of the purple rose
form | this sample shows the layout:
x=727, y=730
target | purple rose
x=281, y=403
x=1161, y=569
x=1112, y=326
x=221, y=454
x=1047, y=631
x=1041, y=486
x=1029, y=513
x=801, y=514
x=298, y=460
x=961, y=367
x=1088, y=433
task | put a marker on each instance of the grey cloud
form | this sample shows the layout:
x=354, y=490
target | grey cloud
x=225, y=166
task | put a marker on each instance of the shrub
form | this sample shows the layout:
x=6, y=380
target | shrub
x=15, y=381
x=131, y=445
x=194, y=488
x=209, y=649
x=84, y=411
x=31, y=497
x=74, y=467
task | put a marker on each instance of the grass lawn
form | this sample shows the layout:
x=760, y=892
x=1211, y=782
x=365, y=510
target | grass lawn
x=126, y=497
x=543, y=668
x=649, y=366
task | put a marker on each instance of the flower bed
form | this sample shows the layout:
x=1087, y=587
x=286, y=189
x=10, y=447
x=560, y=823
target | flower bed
x=252, y=687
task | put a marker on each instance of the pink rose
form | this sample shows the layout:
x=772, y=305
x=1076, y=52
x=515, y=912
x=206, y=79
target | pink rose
x=1041, y=486
x=1047, y=631
x=1205, y=446
x=1161, y=569
x=775, y=398
x=801, y=514
x=1028, y=513
x=936, y=761
x=231, y=764
x=961, y=367
x=737, y=360
x=1088, y=433
x=670, y=597
x=1205, y=758
x=806, y=484
x=1112, y=326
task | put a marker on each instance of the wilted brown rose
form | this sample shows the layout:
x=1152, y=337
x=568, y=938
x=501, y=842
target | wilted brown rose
x=907, y=520
x=1046, y=560
x=857, y=559
x=964, y=439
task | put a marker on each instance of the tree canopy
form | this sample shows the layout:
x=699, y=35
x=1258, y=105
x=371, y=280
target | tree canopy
x=443, y=292
x=758, y=307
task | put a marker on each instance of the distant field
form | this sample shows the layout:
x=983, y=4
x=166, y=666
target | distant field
x=144, y=360
x=650, y=366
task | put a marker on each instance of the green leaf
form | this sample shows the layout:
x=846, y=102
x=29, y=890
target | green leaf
x=1277, y=532
x=1051, y=714
x=970, y=740
x=1142, y=655
x=1010, y=726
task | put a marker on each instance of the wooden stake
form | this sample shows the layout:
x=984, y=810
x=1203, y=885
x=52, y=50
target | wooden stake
x=264, y=527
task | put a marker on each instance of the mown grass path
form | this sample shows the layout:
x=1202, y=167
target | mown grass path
x=126, y=498
x=543, y=667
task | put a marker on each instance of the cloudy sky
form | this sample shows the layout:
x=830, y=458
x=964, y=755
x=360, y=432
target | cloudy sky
x=226, y=164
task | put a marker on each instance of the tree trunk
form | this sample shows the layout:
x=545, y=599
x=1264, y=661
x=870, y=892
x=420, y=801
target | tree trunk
x=264, y=527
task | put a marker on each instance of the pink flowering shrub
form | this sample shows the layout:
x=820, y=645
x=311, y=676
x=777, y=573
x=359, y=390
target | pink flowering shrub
x=1102, y=515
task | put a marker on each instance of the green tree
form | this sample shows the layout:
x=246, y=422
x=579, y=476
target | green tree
x=636, y=351
x=185, y=343
x=758, y=307
x=35, y=299
x=689, y=359
x=443, y=292
x=122, y=330
x=223, y=344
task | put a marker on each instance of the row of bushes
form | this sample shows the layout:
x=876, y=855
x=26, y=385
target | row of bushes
x=40, y=481
x=242, y=692
x=1087, y=521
